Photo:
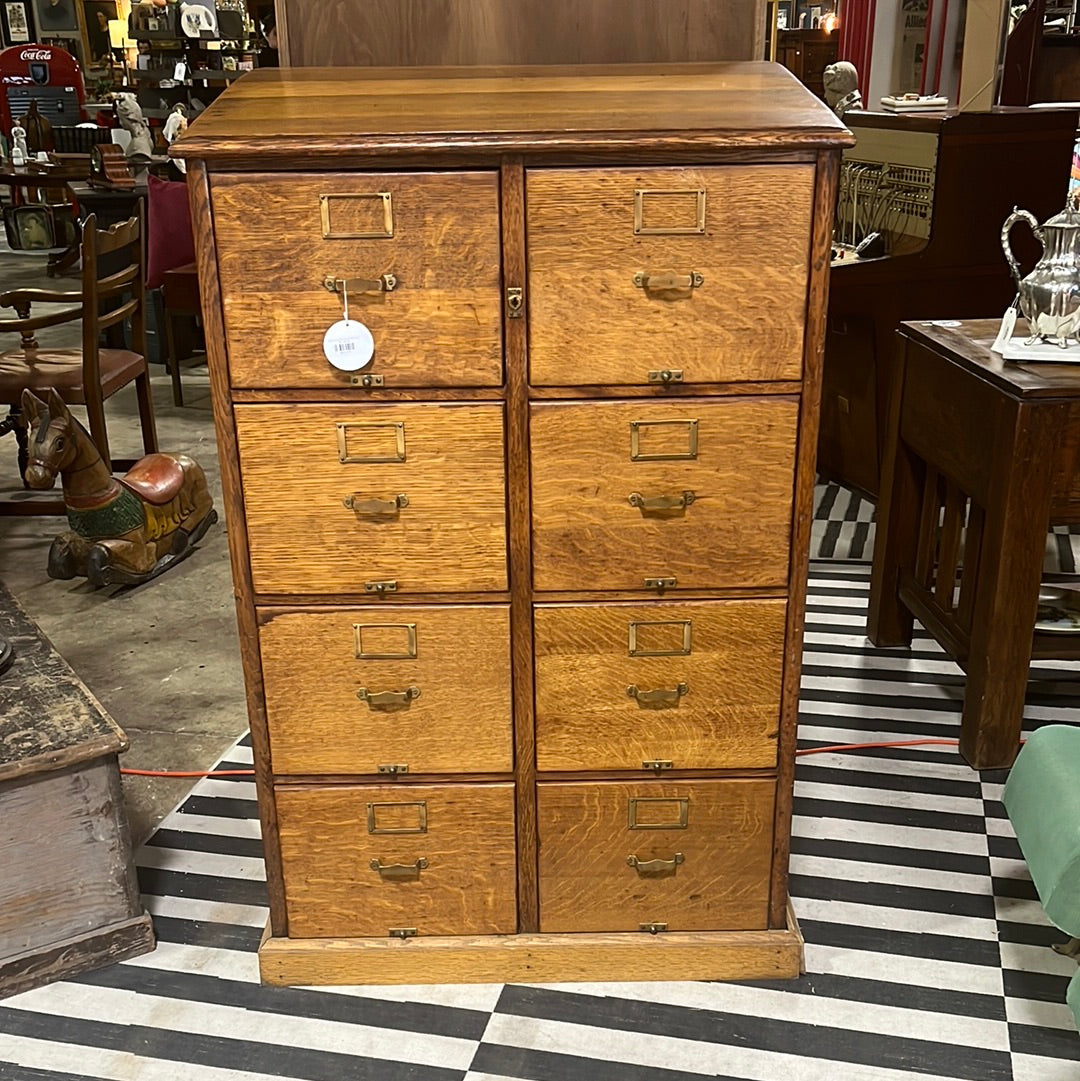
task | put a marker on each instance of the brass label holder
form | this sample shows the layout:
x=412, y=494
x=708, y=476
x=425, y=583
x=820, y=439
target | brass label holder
x=421, y=818
x=395, y=428
x=406, y=654
x=639, y=431
x=636, y=802
x=683, y=626
x=326, y=203
x=694, y=226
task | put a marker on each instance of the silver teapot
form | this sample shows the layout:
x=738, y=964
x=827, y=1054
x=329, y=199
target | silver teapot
x=1049, y=297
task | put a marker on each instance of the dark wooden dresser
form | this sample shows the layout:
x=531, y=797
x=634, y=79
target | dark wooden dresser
x=521, y=600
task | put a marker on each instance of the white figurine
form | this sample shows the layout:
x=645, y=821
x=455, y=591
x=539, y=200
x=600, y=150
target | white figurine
x=175, y=125
x=842, y=87
x=20, y=152
x=130, y=114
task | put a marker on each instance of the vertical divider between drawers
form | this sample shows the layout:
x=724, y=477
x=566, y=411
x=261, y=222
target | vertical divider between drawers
x=802, y=516
x=224, y=426
x=515, y=351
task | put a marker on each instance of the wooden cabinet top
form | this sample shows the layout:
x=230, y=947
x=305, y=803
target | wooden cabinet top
x=325, y=116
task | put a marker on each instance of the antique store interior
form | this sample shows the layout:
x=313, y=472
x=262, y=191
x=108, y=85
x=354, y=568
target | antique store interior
x=934, y=519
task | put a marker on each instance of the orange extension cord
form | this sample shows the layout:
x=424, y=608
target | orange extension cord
x=798, y=754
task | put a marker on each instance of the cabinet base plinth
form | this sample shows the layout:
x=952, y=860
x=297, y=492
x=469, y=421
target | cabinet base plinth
x=563, y=958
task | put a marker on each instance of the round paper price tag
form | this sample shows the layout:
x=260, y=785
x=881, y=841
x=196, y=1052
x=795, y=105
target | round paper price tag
x=348, y=345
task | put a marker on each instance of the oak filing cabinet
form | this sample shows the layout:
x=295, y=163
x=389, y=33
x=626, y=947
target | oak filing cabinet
x=520, y=576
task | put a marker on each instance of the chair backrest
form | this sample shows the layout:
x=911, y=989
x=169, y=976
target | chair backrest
x=113, y=286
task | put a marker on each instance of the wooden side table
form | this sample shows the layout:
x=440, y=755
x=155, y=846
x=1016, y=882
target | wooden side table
x=980, y=457
x=69, y=901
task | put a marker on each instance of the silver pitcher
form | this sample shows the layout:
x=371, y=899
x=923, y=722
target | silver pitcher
x=1049, y=296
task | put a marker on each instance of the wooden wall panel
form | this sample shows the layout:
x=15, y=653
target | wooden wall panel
x=344, y=33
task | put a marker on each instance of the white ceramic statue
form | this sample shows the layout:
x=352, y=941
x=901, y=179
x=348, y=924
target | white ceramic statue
x=175, y=125
x=20, y=152
x=842, y=87
x=132, y=121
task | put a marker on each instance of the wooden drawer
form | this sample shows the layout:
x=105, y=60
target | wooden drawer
x=369, y=690
x=300, y=463
x=446, y=853
x=439, y=326
x=711, y=840
x=735, y=455
x=697, y=685
x=591, y=232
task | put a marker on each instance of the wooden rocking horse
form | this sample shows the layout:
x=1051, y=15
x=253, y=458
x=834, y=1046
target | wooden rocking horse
x=123, y=532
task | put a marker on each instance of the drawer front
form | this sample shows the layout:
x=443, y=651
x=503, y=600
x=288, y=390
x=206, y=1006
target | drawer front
x=608, y=479
x=365, y=860
x=369, y=690
x=323, y=487
x=280, y=237
x=697, y=685
x=694, y=855
x=612, y=255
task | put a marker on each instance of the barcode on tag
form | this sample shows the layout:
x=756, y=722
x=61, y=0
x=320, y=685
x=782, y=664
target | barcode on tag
x=348, y=345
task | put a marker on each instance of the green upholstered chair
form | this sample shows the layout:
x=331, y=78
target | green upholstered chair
x=1042, y=798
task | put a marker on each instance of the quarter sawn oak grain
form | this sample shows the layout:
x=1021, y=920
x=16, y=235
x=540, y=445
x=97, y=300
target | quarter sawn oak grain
x=586, y=533
x=729, y=717
x=332, y=891
x=440, y=325
x=589, y=322
x=460, y=723
x=451, y=536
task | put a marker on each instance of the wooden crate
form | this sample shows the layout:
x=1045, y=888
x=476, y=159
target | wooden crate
x=69, y=901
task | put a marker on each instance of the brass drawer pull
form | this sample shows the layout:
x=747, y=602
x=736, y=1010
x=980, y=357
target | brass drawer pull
x=375, y=508
x=388, y=701
x=661, y=698
x=668, y=281
x=649, y=868
x=401, y=872
x=384, y=283
x=660, y=504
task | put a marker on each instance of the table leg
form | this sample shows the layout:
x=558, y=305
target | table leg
x=1007, y=591
x=889, y=623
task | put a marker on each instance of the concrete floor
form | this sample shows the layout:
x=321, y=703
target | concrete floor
x=163, y=658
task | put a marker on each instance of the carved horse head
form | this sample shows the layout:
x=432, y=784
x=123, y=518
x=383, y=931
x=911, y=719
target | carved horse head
x=54, y=438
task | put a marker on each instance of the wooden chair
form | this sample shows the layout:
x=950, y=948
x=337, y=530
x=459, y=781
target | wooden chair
x=113, y=292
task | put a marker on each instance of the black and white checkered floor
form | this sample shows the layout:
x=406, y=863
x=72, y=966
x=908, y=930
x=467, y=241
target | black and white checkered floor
x=927, y=952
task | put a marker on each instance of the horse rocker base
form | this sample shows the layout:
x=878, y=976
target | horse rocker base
x=123, y=532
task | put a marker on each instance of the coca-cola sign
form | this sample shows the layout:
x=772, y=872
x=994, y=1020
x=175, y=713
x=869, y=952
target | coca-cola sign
x=36, y=54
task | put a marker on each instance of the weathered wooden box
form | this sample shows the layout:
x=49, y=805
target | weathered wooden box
x=69, y=900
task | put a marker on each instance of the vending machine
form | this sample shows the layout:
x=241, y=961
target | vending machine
x=44, y=74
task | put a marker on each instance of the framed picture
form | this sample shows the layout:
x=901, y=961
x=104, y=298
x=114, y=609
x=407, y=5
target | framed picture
x=17, y=23
x=96, y=15
x=784, y=15
x=29, y=227
x=52, y=15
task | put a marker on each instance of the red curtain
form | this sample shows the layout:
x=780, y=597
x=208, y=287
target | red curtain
x=856, y=40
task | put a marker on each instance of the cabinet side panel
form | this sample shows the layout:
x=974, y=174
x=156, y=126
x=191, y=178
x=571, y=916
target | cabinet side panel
x=802, y=516
x=218, y=361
